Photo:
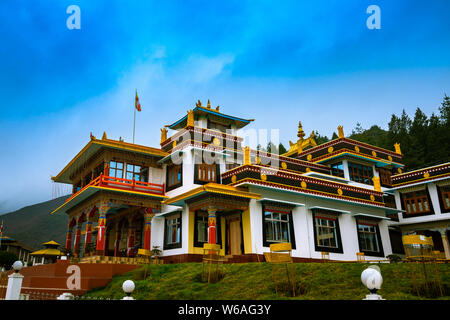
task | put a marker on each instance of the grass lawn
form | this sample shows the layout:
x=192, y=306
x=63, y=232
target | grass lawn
x=253, y=281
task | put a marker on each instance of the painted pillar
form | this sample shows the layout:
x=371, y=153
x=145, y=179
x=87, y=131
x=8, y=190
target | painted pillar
x=131, y=236
x=445, y=243
x=212, y=224
x=148, y=215
x=88, y=235
x=117, y=241
x=69, y=239
x=76, y=245
x=103, y=208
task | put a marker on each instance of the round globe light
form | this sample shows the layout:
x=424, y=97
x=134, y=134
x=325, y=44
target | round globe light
x=374, y=281
x=17, y=266
x=128, y=287
x=366, y=274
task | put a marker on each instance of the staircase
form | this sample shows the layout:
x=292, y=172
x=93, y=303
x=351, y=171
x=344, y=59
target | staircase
x=50, y=280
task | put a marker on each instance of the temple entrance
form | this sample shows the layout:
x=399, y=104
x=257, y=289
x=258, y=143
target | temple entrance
x=234, y=242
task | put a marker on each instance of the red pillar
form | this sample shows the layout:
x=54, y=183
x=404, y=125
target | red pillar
x=69, y=239
x=103, y=208
x=88, y=236
x=148, y=215
x=212, y=225
x=76, y=245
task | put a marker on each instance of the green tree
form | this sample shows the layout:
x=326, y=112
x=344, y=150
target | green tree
x=7, y=259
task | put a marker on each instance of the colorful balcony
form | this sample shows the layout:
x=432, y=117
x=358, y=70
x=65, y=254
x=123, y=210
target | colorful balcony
x=112, y=184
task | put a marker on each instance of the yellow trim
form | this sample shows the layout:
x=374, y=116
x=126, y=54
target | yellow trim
x=414, y=181
x=359, y=155
x=321, y=192
x=423, y=169
x=247, y=232
x=214, y=188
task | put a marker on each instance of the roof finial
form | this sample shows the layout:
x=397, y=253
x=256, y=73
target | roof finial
x=208, y=105
x=340, y=131
x=301, y=133
x=397, y=148
x=198, y=104
x=104, y=137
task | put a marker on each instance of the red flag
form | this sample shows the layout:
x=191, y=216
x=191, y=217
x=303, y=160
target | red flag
x=137, y=104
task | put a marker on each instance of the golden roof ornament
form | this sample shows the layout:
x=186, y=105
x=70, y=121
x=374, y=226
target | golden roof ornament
x=163, y=135
x=397, y=148
x=217, y=108
x=92, y=136
x=190, y=118
x=208, y=105
x=104, y=137
x=199, y=104
x=376, y=184
x=300, y=133
x=340, y=131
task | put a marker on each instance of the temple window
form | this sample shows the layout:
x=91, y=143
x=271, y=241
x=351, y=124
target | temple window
x=360, y=173
x=444, y=195
x=206, y=173
x=416, y=202
x=172, y=230
x=277, y=225
x=326, y=232
x=337, y=169
x=369, y=238
x=138, y=173
x=116, y=169
x=385, y=177
x=174, y=176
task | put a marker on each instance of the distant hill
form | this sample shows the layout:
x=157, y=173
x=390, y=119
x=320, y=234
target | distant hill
x=33, y=225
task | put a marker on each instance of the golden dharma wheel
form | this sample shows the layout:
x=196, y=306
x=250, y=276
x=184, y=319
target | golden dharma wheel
x=233, y=178
x=216, y=142
x=372, y=197
x=374, y=153
x=426, y=175
x=356, y=148
x=330, y=149
x=309, y=157
x=284, y=165
x=339, y=191
x=303, y=184
x=263, y=177
x=389, y=158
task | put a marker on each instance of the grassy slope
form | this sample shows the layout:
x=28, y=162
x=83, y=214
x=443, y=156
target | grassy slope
x=253, y=281
x=33, y=225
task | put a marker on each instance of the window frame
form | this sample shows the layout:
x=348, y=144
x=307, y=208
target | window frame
x=290, y=224
x=180, y=172
x=385, y=177
x=441, y=195
x=354, y=168
x=373, y=224
x=404, y=198
x=173, y=245
x=207, y=168
x=111, y=168
x=317, y=214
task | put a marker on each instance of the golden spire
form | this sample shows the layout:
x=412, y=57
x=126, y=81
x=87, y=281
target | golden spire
x=301, y=133
x=208, y=105
x=104, y=137
x=199, y=104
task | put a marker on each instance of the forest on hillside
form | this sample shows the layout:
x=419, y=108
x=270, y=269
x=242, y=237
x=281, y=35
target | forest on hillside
x=424, y=140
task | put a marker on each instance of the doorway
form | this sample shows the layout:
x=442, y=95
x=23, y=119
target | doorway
x=233, y=231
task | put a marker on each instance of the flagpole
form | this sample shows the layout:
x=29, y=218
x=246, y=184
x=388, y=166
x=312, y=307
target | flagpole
x=134, y=122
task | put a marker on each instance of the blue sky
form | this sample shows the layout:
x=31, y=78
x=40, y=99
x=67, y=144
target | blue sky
x=275, y=61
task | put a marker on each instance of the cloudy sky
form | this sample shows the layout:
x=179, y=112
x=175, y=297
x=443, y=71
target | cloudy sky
x=275, y=61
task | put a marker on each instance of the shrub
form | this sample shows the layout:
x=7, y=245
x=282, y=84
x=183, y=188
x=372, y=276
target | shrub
x=7, y=259
x=393, y=258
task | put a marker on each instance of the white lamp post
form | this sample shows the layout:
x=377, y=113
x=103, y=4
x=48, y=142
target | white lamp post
x=128, y=287
x=372, y=279
x=14, y=282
